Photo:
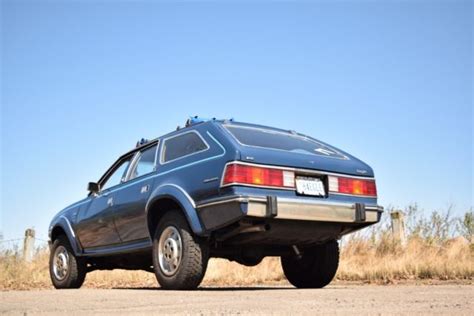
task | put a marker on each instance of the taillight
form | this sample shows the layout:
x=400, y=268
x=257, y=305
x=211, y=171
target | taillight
x=252, y=175
x=352, y=186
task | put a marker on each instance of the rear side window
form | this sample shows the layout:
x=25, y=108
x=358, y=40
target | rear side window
x=182, y=145
x=287, y=141
x=145, y=163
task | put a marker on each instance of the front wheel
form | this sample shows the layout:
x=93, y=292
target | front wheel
x=179, y=258
x=66, y=270
x=315, y=268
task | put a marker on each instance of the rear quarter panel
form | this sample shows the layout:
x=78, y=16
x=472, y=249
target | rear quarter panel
x=196, y=177
x=198, y=174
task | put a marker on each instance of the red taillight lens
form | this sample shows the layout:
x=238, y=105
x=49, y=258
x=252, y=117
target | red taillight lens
x=245, y=174
x=352, y=186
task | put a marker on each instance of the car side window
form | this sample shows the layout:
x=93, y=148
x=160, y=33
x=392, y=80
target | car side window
x=182, y=145
x=145, y=163
x=118, y=175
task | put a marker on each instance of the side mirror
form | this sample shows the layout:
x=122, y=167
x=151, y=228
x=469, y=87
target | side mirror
x=93, y=187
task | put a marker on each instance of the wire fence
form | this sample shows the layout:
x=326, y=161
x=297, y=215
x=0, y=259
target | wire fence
x=17, y=245
x=20, y=239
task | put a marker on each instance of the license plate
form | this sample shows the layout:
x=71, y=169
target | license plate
x=310, y=186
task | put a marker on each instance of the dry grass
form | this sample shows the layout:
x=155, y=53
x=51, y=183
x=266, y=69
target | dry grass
x=370, y=256
x=386, y=261
x=18, y=275
x=361, y=260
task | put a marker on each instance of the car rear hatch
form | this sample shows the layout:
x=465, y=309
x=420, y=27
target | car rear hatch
x=275, y=147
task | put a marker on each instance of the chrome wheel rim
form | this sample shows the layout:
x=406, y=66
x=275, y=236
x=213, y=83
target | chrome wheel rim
x=170, y=250
x=61, y=263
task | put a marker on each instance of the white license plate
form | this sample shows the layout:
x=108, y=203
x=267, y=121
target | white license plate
x=310, y=186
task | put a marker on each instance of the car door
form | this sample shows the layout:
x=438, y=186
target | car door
x=130, y=216
x=95, y=226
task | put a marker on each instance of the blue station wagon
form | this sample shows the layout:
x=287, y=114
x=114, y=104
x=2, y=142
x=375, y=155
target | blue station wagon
x=217, y=188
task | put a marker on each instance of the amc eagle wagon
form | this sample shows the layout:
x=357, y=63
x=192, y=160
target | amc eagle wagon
x=217, y=188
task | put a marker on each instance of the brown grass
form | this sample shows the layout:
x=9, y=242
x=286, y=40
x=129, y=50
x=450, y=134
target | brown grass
x=387, y=261
x=383, y=262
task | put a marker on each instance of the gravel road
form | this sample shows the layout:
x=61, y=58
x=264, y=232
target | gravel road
x=341, y=299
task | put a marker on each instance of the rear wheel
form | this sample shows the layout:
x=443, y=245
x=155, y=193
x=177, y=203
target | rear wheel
x=66, y=270
x=315, y=268
x=179, y=258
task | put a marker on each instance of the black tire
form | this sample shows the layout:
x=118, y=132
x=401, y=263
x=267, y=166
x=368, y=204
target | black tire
x=76, y=267
x=315, y=269
x=194, y=255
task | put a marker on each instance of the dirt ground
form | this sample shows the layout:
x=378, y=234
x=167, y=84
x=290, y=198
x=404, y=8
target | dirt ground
x=340, y=299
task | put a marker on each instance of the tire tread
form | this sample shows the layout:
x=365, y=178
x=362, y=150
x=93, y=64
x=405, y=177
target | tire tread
x=195, y=255
x=315, y=269
x=77, y=267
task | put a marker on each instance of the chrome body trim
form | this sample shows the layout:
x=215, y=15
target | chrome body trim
x=353, y=195
x=377, y=208
x=69, y=226
x=256, y=186
x=180, y=189
x=158, y=147
x=218, y=143
x=224, y=201
x=132, y=181
x=210, y=179
x=131, y=166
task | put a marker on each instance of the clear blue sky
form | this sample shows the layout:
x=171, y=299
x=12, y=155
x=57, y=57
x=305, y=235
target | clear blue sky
x=390, y=82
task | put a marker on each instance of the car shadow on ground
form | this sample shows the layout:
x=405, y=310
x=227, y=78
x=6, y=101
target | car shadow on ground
x=217, y=289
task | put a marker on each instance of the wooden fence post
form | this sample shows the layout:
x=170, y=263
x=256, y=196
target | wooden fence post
x=29, y=245
x=398, y=227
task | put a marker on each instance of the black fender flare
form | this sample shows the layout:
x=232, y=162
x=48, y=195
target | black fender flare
x=179, y=195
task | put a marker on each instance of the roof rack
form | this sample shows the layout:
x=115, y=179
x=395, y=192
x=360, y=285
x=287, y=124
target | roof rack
x=193, y=120
x=141, y=142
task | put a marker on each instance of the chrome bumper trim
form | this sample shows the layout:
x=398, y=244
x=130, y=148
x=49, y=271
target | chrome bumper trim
x=223, y=201
x=298, y=209
x=309, y=211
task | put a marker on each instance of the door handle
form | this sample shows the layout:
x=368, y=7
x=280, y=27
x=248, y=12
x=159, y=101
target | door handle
x=110, y=201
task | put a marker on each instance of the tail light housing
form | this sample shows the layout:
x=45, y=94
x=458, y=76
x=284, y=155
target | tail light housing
x=242, y=174
x=352, y=186
x=258, y=176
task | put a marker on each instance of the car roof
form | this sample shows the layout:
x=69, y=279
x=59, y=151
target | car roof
x=192, y=126
x=178, y=130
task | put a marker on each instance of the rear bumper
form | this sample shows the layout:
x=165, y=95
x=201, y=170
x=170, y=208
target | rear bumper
x=314, y=211
x=220, y=212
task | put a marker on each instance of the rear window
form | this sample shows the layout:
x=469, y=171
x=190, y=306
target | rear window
x=267, y=138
